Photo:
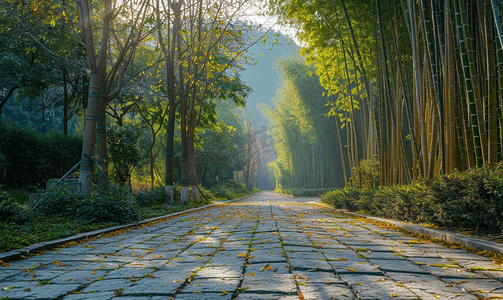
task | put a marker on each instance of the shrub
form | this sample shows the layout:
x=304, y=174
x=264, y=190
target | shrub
x=10, y=211
x=30, y=159
x=302, y=192
x=123, y=150
x=151, y=197
x=109, y=206
x=222, y=192
x=463, y=200
x=350, y=199
x=404, y=203
x=472, y=199
x=237, y=187
x=366, y=174
x=231, y=189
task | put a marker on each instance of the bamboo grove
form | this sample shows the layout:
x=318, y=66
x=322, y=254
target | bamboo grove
x=417, y=86
x=305, y=141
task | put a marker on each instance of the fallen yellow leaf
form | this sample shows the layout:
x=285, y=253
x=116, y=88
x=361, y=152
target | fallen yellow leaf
x=351, y=269
x=224, y=293
x=8, y=288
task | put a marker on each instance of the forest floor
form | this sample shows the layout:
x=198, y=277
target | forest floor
x=267, y=246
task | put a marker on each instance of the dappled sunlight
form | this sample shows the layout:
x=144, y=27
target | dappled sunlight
x=267, y=246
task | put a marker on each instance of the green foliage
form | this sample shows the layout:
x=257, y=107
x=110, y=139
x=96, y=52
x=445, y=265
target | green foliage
x=220, y=152
x=30, y=159
x=152, y=197
x=231, y=189
x=366, y=175
x=472, y=199
x=10, y=211
x=236, y=186
x=39, y=229
x=108, y=206
x=462, y=200
x=20, y=228
x=304, y=139
x=301, y=192
x=123, y=150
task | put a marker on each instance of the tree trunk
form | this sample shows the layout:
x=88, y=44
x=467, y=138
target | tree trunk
x=184, y=198
x=152, y=159
x=492, y=88
x=89, y=141
x=192, y=155
x=65, y=104
x=170, y=141
x=6, y=97
x=101, y=141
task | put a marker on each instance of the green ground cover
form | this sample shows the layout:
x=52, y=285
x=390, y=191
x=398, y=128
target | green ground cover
x=463, y=201
x=61, y=213
x=300, y=192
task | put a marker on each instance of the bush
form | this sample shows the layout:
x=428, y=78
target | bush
x=462, y=200
x=10, y=211
x=151, y=197
x=472, y=199
x=231, y=189
x=109, y=206
x=368, y=170
x=405, y=203
x=30, y=159
x=123, y=150
x=350, y=199
x=302, y=192
x=237, y=187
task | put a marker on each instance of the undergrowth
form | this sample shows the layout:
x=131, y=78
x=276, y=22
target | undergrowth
x=231, y=189
x=470, y=200
x=301, y=192
x=61, y=212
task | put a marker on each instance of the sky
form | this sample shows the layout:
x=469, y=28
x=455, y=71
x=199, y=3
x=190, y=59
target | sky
x=262, y=77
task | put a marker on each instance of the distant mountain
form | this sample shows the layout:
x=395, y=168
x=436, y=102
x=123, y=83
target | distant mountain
x=262, y=77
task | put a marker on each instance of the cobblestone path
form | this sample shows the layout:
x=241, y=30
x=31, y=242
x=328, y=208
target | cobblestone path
x=269, y=246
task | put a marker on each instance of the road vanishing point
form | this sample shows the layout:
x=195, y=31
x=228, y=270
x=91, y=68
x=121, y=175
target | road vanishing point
x=268, y=246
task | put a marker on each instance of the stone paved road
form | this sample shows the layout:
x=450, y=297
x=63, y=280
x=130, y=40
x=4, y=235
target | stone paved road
x=269, y=246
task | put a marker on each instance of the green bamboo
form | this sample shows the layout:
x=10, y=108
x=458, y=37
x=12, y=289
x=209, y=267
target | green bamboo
x=469, y=87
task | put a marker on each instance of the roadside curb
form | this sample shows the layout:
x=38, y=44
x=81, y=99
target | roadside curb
x=445, y=235
x=49, y=245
